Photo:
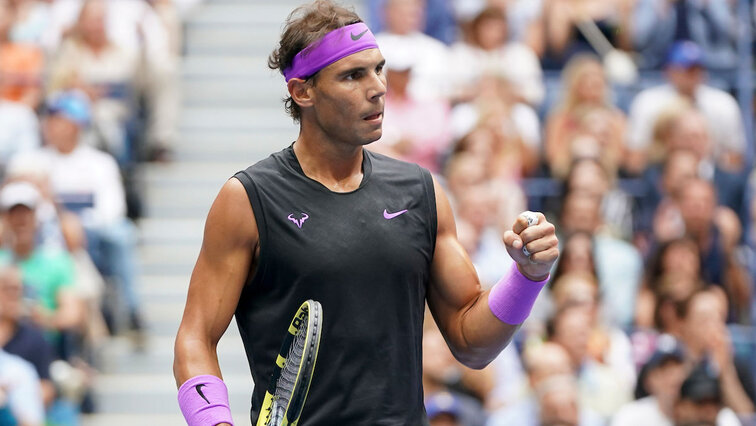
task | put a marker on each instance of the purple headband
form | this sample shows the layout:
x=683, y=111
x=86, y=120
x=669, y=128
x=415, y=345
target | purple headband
x=335, y=45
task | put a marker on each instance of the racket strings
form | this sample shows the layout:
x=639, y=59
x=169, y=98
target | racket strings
x=289, y=372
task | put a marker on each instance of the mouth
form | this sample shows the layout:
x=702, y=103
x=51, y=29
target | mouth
x=374, y=117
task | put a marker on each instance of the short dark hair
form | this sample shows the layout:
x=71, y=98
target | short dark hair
x=305, y=25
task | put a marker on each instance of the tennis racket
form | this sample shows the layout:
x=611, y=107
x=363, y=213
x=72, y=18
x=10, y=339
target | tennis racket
x=290, y=381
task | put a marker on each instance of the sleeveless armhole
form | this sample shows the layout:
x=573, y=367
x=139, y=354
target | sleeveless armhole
x=262, y=228
x=430, y=192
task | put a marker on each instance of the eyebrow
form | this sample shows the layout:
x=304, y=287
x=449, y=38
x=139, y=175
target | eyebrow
x=356, y=69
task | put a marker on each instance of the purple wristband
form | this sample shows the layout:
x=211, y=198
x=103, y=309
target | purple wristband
x=204, y=401
x=512, y=298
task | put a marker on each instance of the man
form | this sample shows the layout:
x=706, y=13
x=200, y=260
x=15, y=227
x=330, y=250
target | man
x=48, y=275
x=88, y=182
x=660, y=378
x=701, y=400
x=686, y=79
x=369, y=237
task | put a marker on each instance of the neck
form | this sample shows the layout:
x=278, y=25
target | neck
x=338, y=166
x=23, y=249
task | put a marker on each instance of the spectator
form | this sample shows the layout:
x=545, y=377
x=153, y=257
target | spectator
x=564, y=20
x=590, y=175
x=602, y=388
x=657, y=24
x=619, y=266
x=19, y=128
x=674, y=270
x=88, y=182
x=686, y=78
x=442, y=374
x=490, y=51
x=512, y=127
x=659, y=381
x=717, y=232
x=705, y=336
x=404, y=20
x=414, y=130
x=584, y=111
x=443, y=409
x=21, y=65
x=20, y=391
x=701, y=400
x=88, y=60
x=147, y=30
x=47, y=275
x=438, y=19
x=21, y=337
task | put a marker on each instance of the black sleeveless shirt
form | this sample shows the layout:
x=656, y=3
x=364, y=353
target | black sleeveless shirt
x=365, y=255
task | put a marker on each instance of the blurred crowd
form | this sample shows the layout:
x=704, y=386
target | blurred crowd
x=617, y=119
x=88, y=92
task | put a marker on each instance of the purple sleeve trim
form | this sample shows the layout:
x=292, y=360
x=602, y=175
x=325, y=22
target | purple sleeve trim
x=204, y=401
x=512, y=298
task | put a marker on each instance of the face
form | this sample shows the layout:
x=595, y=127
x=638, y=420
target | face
x=697, y=205
x=572, y=331
x=664, y=381
x=690, y=132
x=491, y=33
x=404, y=16
x=681, y=166
x=581, y=213
x=22, y=222
x=590, y=85
x=546, y=361
x=588, y=176
x=578, y=254
x=559, y=407
x=704, y=318
x=685, y=80
x=689, y=413
x=61, y=133
x=92, y=23
x=682, y=258
x=348, y=97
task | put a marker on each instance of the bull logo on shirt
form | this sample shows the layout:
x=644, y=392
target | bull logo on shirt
x=299, y=222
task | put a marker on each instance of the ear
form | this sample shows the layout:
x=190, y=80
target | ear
x=300, y=92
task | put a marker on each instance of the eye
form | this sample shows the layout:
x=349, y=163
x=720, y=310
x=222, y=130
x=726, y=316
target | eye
x=354, y=76
x=379, y=69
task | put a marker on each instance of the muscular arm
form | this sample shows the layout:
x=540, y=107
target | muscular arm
x=459, y=306
x=219, y=275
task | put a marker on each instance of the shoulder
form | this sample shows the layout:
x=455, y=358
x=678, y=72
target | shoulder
x=711, y=95
x=15, y=366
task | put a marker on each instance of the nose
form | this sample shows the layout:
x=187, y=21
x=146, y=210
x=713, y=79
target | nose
x=377, y=88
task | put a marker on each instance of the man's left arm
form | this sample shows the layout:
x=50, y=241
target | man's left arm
x=474, y=333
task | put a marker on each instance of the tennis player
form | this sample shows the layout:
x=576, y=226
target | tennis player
x=371, y=238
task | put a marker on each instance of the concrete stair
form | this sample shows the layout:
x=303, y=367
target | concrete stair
x=232, y=116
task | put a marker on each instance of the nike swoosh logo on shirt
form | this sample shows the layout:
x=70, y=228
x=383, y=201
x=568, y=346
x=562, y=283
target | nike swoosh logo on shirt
x=388, y=215
x=358, y=36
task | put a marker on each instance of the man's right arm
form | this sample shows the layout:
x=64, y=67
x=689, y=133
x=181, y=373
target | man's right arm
x=229, y=244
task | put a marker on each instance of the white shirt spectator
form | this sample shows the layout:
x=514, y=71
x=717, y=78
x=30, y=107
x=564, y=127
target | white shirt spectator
x=85, y=173
x=514, y=61
x=19, y=129
x=719, y=107
x=430, y=66
x=523, y=118
x=646, y=411
x=19, y=383
x=130, y=24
